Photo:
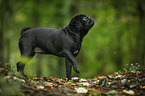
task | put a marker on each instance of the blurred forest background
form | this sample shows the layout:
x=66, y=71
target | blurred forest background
x=116, y=40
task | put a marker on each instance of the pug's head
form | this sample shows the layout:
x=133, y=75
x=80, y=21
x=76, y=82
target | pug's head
x=82, y=23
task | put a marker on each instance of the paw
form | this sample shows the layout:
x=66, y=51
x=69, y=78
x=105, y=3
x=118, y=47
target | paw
x=76, y=70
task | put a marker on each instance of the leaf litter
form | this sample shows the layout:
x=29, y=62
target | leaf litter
x=129, y=82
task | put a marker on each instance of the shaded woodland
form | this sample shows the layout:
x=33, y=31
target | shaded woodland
x=116, y=40
x=111, y=60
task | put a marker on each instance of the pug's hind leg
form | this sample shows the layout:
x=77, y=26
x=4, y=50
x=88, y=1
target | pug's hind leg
x=26, y=55
x=21, y=64
x=20, y=67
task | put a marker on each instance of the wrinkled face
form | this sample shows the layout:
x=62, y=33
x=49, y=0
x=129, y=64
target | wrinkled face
x=82, y=23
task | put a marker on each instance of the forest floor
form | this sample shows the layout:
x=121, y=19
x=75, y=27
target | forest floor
x=129, y=82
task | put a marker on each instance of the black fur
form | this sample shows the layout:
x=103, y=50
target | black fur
x=25, y=29
x=65, y=42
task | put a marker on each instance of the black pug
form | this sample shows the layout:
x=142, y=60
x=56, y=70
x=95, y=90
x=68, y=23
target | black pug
x=65, y=42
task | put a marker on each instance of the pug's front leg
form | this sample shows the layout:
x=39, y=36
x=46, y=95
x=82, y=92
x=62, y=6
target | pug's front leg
x=72, y=59
x=68, y=69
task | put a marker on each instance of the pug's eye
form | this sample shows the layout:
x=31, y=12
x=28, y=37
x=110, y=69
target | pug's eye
x=85, y=18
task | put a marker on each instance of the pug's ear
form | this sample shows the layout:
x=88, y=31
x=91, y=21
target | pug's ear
x=74, y=22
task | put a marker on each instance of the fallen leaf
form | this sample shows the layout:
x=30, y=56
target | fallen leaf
x=40, y=87
x=123, y=82
x=81, y=90
x=128, y=92
x=133, y=84
x=119, y=77
x=85, y=83
x=133, y=68
x=83, y=80
x=73, y=84
x=111, y=92
x=48, y=84
x=113, y=84
x=143, y=87
x=15, y=78
x=102, y=82
x=75, y=79
x=95, y=92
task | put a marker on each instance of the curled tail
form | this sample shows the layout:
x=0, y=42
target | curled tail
x=25, y=29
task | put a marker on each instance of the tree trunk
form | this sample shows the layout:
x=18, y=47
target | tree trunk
x=140, y=41
x=5, y=17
